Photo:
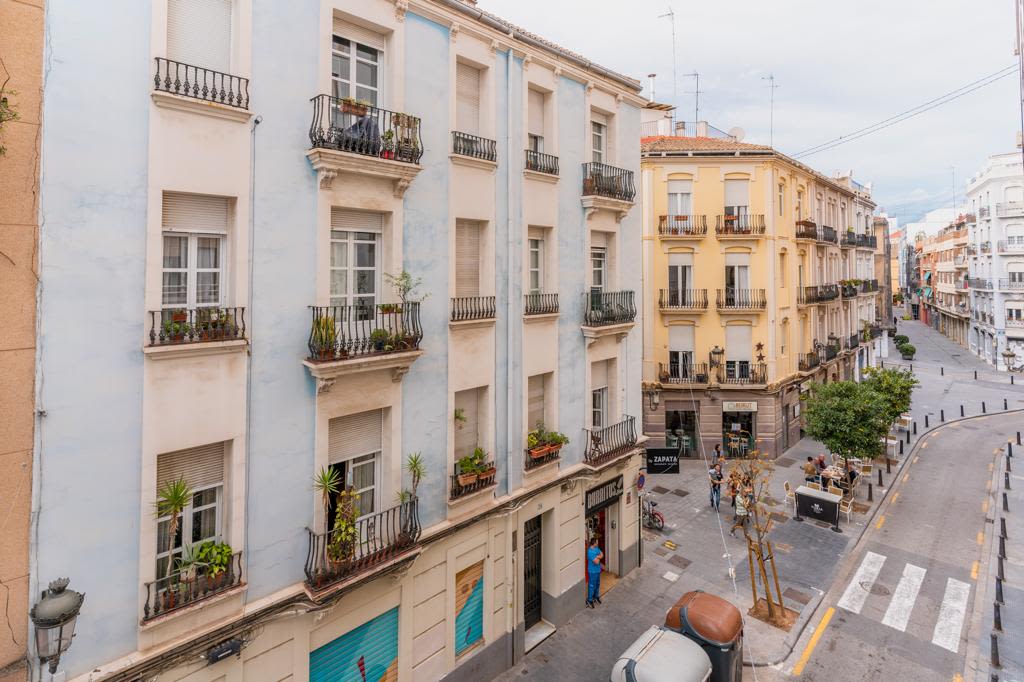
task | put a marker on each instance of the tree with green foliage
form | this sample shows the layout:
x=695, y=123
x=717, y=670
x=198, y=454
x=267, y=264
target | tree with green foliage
x=895, y=386
x=849, y=418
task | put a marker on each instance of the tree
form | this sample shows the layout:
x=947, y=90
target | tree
x=895, y=386
x=171, y=501
x=850, y=418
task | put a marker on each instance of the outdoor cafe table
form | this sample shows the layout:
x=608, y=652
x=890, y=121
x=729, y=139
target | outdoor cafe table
x=818, y=504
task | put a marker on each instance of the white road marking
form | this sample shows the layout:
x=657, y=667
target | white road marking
x=951, y=615
x=898, y=614
x=857, y=591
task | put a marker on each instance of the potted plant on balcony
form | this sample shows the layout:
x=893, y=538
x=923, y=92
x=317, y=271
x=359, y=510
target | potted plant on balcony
x=327, y=482
x=485, y=470
x=536, y=442
x=345, y=536
x=176, y=331
x=356, y=107
x=907, y=351
x=556, y=440
x=171, y=500
x=379, y=337
x=214, y=558
x=468, y=473
x=325, y=336
x=388, y=145
x=179, y=315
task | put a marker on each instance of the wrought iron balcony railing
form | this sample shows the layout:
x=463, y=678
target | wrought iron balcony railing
x=463, y=483
x=465, y=308
x=869, y=286
x=1012, y=284
x=683, y=299
x=848, y=290
x=808, y=361
x=540, y=304
x=831, y=349
x=608, y=181
x=848, y=240
x=196, y=82
x=607, y=443
x=746, y=224
x=542, y=163
x=742, y=372
x=377, y=538
x=979, y=283
x=827, y=234
x=741, y=299
x=351, y=126
x=465, y=144
x=608, y=307
x=339, y=332
x=530, y=462
x=179, y=590
x=806, y=229
x=175, y=326
x=853, y=342
x=1005, y=246
x=871, y=241
x=683, y=373
x=984, y=212
x=985, y=247
x=682, y=225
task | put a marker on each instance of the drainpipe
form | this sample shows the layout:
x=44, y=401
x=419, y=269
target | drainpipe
x=248, y=365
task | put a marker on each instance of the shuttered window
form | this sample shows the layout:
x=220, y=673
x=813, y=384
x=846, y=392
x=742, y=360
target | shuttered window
x=357, y=221
x=467, y=99
x=372, y=647
x=354, y=435
x=200, y=467
x=680, y=337
x=599, y=374
x=199, y=33
x=535, y=401
x=467, y=258
x=737, y=197
x=360, y=34
x=679, y=196
x=467, y=430
x=536, y=113
x=738, y=341
x=196, y=212
x=355, y=257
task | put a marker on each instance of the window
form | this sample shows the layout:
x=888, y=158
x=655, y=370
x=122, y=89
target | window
x=535, y=122
x=737, y=198
x=598, y=263
x=680, y=193
x=782, y=199
x=356, y=60
x=467, y=422
x=467, y=99
x=202, y=469
x=467, y=258
x=355, y=258
x=536, y=266
x=598, y=136
x=535, y=413
x=799, y=204
x=680, y=351
x=195, y=228
x=782, y=277
x=199, y=33
x=680, y=266
x=354, y=446
x=599, y=394
x=738, y=351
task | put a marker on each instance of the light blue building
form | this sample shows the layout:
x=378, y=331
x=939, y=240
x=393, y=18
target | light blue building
x=231, y=193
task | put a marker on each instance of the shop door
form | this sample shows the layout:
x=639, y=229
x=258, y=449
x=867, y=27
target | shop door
x=785, y=427
x=531, y=572
x=595, y=528
x=369, y=652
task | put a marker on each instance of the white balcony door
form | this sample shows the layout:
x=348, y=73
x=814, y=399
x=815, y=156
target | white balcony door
x=199, y=33
x=355, y=258
x=599, y=268
x=536, y=266
x=738, y=350
x=467, y=258
x=680, y=350
x=535, y=124
x=357, y=62
x=737, y=197
x=680, y=266
x=598, y=137
x=194, y=250
x=679, y=197
x=354, y=447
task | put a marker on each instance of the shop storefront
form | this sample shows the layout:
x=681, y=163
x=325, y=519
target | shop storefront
x=739, y=426
x=681, y=431
x=602, y=513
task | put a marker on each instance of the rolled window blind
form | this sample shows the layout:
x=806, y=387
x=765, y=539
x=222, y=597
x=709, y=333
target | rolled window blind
x=598, y=239
x=199, y=33
x=737, y=193
x=201, y=467
x=466, y=431
x=535, y=401
x=467, y=258
x=536, y=113
x=467, y=99
x=356, y=221
x=598, y=117
x=368, y=37
x=599, y=374
x=737, y=259
x=196, y=212
x=354, y=435
x=680, y=186
x=680, y=259
x=680, y=337
x=738, y=342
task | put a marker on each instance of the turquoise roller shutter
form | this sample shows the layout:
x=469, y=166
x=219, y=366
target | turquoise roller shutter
x=369, y=652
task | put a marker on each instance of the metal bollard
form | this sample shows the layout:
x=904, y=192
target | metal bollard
x=942, y=371
x=1004, y=403
x=1018, y=438
x=942, y=415
x=1009, y=449
x=915, y=428
x=871, y=492
x=1002, y=528
x=926, y=421
x=1006, y=507
x=1006, y=481
x=997, y=618
x=999, y=590
x=908, y=437
x=888, y=462
x=880, y=478
x=999, y=568
x=961, y=410
x=995, y=652
x=911, y=368
x=901, y=452
x=1002, y=547
x=983, y=407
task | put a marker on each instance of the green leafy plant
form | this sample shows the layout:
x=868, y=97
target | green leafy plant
x=213, y=557
x=176, y=329
x=907, y=350
x=344, y=536
x=406, y=286
x=850, y=418
x=900, y=339
x=325, y=334
x=417, y=468
x=327, y=482
x=379, y=336
x=467, y=465
x=459, y=416
x=895, y=387
x=171, y=500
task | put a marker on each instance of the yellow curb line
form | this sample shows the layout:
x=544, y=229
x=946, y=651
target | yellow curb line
x=799, y=668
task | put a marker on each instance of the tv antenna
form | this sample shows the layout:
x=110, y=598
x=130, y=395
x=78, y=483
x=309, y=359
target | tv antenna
x=696, y=95
x=671, y=16
x=771, y=108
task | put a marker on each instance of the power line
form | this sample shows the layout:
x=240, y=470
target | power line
x=910, y=113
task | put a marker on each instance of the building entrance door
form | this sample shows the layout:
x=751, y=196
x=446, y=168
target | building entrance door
x=531, y=572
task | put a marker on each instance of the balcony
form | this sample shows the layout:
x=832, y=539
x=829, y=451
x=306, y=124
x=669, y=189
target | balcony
x=608, y=308
x=743, y=226
x=378, y=538
x=828, y=235
x=178, y=590
x=831, y=349
x=682, y=226
x=979, y=283
x=853, y=342
x=984, y=212
x=1011, y=209
x=348, y=136
x=972, y=250
x=985, y=247
x=531, y=462
x=604, y=445
x=186, y=326
x=960, y=261
x=848, y=240
x=473, y=308
x=871, y=241
x=1004, y=246
x=869, y=286
x=464, y=483
x=848, y=290
x=345, y=339
x=540, y=304
x=742, y=372
x=607, y=188
x=1014, y=322
x=806, y=230
x=820, y=293
x=473, y=147
x=683, y=373
x=1011, y=284
x=741, y=300
x=807, y=362
x=683, y=299
x=541, y=163
x=201, y=88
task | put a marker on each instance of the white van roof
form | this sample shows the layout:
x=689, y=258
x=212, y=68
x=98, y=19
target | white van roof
x=660, y=655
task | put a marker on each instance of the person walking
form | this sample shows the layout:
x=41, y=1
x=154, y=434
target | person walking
x=717, y=455
x=715, y=476
x=742, y=499
x=594, y=557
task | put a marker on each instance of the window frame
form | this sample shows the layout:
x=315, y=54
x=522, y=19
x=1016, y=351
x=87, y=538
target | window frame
x=535, y=246
x=598, y=254
x=186, y=527
x=353, y=71
x=192, y=270
x=351, y=243
x=599, y=407
x=598, y=141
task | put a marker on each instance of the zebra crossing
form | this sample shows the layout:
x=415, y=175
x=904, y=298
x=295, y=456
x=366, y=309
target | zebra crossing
x=949, y=622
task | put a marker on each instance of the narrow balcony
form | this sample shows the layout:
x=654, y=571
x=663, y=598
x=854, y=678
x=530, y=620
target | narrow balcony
x=853, y=342
x=1005, y=246
x=1010, y=284
x=473, y=308
x=203, y=85
x=682, y=226
x=979, y=283
x=744, y=226
x=683, y=373
x=827, y=235
x=606, y=444
x=350, y=136
x=541, y=455
x=807, y=362
x=182, y=589
x=683, y=299
x=608, y=181
x=869, y=286
x=541, y=163
x=540, y=304
x=1014, y=322
x=607, y=308
x=985, y=247
x=741, y=299
x=819, y=293
x=465, y=483
x=480, y=148
x=742, y=372
x=378, y=538
x=831, y=349
x=848, y=290
x=181, y=326
x=1010, y=209
x=806, y=230
x=972, y=250
x=984, y=212
x=848, y=240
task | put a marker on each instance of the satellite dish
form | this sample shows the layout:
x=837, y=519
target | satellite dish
x=737, y=133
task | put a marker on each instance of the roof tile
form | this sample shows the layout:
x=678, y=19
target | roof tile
x=664, y=143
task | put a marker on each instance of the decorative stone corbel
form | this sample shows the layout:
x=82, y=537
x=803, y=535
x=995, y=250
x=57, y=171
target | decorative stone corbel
x=453, y=32
x=589, y=211
x=590, y=87
x=618, y=98
x=401, y=184
x=398, y=372
x=494, y=46
x=526, y=62
x=324, y=384
x=401, y=7
x=327, y=178
x=557, y=71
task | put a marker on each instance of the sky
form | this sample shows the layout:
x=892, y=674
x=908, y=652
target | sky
x=840, y=66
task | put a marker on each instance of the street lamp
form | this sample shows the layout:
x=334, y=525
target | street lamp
x=653, y=394
x=716, y=356
x=54, y=617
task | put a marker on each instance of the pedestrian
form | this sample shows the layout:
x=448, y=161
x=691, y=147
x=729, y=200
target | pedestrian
x=715, y=476
x=594, y=557
x=742, y=501
x=893, y=320
x=810, y=470
x=717, y=456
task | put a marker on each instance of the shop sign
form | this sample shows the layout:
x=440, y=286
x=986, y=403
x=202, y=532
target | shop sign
x=739, y=406
x=604, y=495
x=661, y=461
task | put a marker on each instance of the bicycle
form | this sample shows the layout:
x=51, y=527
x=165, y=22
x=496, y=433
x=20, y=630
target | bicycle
x=652, y=518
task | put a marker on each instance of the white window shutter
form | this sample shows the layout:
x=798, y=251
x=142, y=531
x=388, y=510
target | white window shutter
x=356, y=221
x=535, y=401
x=599, y=374
x=598, y=240
x=737, y=193
x=738, y=342
x=737, y=259
x=680, y=337
x=467, y=258
x=536, y=113
x=467, y=99
x=354, y=435
x=359, y=34
x=199, y=33
x=597, y=117
x=196, y=213
x=201, y=467
x=682, y=259
x=680, y=186
x=466, y=432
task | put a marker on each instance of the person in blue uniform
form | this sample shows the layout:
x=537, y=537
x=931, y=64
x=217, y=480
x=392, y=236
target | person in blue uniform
x=594, y=557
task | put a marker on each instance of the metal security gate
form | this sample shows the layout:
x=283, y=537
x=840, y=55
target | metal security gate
x=531, y=572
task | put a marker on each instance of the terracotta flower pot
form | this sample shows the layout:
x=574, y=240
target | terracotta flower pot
x=488, y=475
x=466, y=480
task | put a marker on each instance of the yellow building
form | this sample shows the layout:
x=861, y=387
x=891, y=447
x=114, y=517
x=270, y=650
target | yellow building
x=758, y=280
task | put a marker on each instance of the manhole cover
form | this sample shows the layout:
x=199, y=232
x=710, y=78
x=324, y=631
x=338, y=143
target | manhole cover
x=680, y=492
x=880, y=590
x=659, y=490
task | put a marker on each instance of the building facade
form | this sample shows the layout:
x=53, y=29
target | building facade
x=760, y=280
x=883, y=261
x=996, y=249
x=316, y=238
x=945, y=299
x=21, y=78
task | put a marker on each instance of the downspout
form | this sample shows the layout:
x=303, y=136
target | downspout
x=248, y=365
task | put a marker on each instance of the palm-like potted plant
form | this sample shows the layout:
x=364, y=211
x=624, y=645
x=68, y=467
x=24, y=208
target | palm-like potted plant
x=417, y=469
x=327, y=482
x=171, y=500
x=345, y=536
x=325, y=336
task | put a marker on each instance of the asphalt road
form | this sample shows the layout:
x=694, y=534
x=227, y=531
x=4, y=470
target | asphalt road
x=901, y=606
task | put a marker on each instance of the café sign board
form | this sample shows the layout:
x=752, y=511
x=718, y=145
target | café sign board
x=604, y=495
x=739, y=406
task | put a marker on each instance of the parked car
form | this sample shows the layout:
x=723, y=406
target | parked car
x=716, y=626
x=660, y=655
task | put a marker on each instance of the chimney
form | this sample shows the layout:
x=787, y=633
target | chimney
x=702, y=128
x=651, y=76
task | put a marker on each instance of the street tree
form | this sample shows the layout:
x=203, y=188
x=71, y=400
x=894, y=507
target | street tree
x=850, y=418
x=895, y=386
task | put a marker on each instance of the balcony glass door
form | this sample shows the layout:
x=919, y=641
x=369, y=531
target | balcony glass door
x=678, y=283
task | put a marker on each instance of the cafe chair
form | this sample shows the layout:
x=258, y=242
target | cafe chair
x=814, y=486
x=846, y=507
x=790, y=495
x=835, y=491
